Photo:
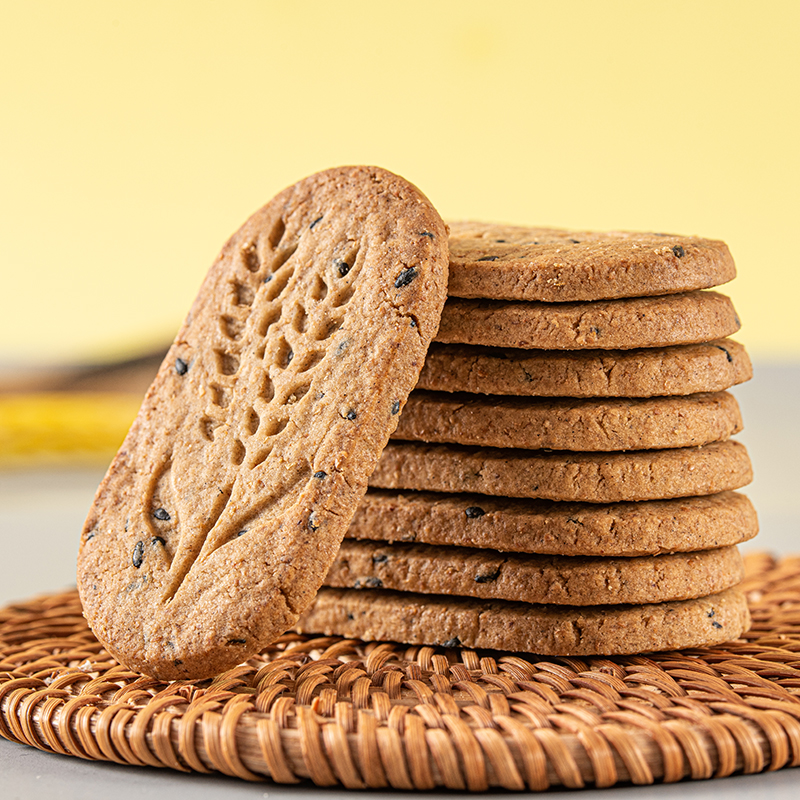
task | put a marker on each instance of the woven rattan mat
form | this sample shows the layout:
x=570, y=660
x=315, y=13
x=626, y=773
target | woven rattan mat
x=375, y=715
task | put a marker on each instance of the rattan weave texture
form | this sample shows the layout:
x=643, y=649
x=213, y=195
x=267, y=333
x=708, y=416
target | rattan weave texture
x=380, y=714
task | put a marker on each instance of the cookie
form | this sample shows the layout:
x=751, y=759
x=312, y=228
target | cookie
x=507, y=262
x=557, y=580
x=378, y=615
x=542, y=526
x=579, y=477
x=252, y=449
x=648, y=372
x=606, y=324
x=569, y=424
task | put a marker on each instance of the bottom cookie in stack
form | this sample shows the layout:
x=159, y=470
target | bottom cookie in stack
x=525, y=627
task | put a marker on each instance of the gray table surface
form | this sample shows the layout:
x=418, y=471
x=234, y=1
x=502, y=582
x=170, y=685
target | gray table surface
x=41, y=513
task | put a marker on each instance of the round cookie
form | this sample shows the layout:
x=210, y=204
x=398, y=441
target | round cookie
x=556, y=528
x=569, y=424
x=377, y=615
x=606, y=324
x=557, y=580
x=646, y=372
x=509, y=262
x=577, y=477
x=252, y=449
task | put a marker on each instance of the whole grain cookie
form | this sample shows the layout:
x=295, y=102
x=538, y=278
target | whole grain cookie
x=647, y=372
x=378, y=614
x=577, y=477
x=508, y=262
x=570, y=424
x=559, y=580
x=226, y=504
x=606, y=324
x=556, y=528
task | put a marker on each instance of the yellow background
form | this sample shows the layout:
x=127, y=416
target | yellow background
x=137, y=136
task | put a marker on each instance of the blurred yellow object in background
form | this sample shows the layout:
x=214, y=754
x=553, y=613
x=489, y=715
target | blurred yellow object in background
x=70, y=428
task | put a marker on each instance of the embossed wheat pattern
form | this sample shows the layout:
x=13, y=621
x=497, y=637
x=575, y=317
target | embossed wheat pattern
x=266, y=338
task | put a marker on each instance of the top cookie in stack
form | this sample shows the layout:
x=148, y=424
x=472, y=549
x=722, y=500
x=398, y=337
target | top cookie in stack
x=562, y=480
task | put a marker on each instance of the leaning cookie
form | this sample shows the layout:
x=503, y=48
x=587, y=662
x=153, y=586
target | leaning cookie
x=646, y=372
x=558, y=580
x=226, y=504
x=556, y=528
x=594, y=424
x=382, y=615
x=510, y=262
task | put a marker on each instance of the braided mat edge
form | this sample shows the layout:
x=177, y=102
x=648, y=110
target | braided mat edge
x=373, y=715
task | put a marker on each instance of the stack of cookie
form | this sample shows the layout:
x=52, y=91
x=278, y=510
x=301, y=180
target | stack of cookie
x=562, y=480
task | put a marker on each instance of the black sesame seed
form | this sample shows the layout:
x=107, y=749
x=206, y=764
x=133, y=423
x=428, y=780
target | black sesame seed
x=315, y=222
x=268, y=279
x=138, y=554
x=678, y=251
x=162, y=514
x=473, y=512
x=351, y=415
x=405, y=277
x=236, y=641
x=289, y=357
x=395, y=407
x=320, y=475
x=428, y=234
x=350, y=616
x=181, y=367
x=710, y=613
x=489, y=258
x=413, y=323
x=727, y=354
x=487, y=578
x=158, y=540
x=342, y=268
x=454, y=642
x=312, y=522
x=177, y=662
x=575, y=241
x=715, y=624
x=242, y=532
x=380, y=558
x=500, y=241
